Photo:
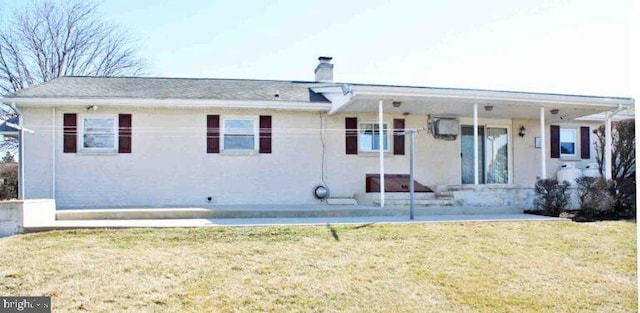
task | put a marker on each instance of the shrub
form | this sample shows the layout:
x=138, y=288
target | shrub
x=551, y=197
x=624, y=194
x=8, y=181
x=623, y=165
x=594, y=197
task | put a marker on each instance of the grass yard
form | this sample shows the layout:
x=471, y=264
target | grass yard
x=461, y=267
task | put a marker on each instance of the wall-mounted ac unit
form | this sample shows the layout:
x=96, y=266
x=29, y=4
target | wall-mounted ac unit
x=445, y=128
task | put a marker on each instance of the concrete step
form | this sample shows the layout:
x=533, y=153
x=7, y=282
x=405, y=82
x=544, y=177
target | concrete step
x=224, y=212
x=400, y=195
x=342, y=201
x=444, y=194
x=272, y=212
x=418, y=202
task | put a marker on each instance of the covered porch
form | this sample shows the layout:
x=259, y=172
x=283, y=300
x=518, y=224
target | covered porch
x=497, y=133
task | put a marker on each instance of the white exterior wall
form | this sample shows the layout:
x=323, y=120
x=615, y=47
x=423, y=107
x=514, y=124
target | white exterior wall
x=346, y=173
x=38, y=154
x=527, y=157
x=169, y=165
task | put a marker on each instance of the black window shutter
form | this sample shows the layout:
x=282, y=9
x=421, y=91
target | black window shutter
x=213, y=133
x=555, y=141
x=351, y=135
x=70, y=130
x=265, y=134
x=585, y=143
x=124, y=133
x=398, y=139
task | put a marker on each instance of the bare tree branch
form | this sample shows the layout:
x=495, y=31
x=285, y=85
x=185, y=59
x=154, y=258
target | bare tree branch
x=623, y=160
x=53, y=38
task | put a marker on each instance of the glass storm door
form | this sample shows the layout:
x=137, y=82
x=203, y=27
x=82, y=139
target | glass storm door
x=466, y=153
x=496, y=155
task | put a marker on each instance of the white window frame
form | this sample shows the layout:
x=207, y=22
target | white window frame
x=256, y=135
x=575, y=142
x=81, y=147
x=361, y=130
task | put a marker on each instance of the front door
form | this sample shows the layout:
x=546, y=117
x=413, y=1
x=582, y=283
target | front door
x=466, y=153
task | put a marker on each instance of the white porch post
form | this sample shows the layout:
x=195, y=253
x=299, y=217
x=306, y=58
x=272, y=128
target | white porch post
x=607, y=145
x=381, y=152
x=476, y=178
x=21, y=193
x=53, y=153
x=543, y=149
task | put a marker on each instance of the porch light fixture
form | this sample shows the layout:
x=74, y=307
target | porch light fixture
x=521, y=133
x=91, y=107
x=396, y=104
x=554, y=111
x=488, y=108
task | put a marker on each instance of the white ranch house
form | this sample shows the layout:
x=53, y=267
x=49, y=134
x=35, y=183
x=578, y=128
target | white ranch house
x=98, y=142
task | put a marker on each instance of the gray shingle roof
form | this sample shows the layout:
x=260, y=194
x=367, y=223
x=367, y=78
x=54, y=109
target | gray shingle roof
x=174, y=88
x=205, y=89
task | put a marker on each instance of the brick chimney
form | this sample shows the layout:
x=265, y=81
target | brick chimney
x=324, y=70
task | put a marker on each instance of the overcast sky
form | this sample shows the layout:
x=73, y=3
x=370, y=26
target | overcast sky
x=579, y=47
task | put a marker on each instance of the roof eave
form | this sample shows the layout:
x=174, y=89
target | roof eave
x=169, y=103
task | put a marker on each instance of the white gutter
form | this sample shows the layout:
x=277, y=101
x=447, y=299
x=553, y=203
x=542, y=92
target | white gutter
x=491, y=98
x=487, y=94
x=537, y=100
x=173, y=103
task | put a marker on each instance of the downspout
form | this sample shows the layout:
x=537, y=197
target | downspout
x=21, y=184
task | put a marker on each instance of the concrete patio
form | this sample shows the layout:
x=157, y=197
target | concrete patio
x=271, y=211
x=234, y=222
x=39, y=215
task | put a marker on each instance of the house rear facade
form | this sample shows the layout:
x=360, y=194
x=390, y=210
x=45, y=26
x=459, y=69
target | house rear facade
x=95, y=142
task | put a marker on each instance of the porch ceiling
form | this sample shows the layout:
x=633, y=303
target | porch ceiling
x=459, y=102
x=463, y=107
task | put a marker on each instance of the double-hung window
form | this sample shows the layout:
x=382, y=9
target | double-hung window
x=369, y=137
x=239, y=134
x=99, y=133
x=568, y=142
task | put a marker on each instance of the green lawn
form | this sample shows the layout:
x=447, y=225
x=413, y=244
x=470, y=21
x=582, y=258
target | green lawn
x=461, y=267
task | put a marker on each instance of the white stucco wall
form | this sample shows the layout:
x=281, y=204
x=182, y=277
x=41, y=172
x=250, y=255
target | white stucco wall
x=38, y=154
x=346, y=173
x=527, y=157
x=169, y=165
